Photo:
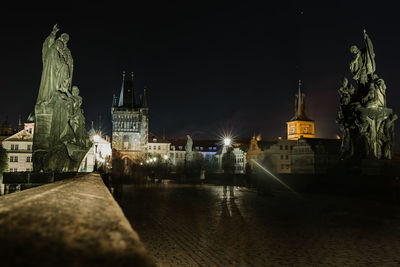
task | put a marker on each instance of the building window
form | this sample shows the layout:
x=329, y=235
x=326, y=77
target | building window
x=282, y=166
x=16, y=159
x=287, y=156
x=28, y=169
x=29, y=147
x=159, y=147
x=28, y=159
x=154, y=147
x=281, y=147
x=286, y=147
x=281, y=156
x=12, y=159
x=292, y=129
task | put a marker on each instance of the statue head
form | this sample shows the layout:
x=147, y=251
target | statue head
x=59, y=45
x=354, y=50
x=75, y=90
x=64, y=38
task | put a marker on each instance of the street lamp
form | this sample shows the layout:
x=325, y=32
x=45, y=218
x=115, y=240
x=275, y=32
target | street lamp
x=227, y=141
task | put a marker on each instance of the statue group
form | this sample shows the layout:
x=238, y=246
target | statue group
x=365, y=121
x=60, y=141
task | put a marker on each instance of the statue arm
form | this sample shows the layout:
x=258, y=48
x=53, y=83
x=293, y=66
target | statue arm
x=49, y=40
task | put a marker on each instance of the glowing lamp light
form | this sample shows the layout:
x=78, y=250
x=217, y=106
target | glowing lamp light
x=96, y=138
x=227, y=141
x=154, y=159
x=165, y=157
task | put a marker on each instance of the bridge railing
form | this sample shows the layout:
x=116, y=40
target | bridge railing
x=72, y=222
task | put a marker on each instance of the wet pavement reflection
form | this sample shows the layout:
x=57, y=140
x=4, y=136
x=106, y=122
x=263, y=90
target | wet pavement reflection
x=208, y=225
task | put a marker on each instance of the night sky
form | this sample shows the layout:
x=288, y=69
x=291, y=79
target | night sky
x=208, y=67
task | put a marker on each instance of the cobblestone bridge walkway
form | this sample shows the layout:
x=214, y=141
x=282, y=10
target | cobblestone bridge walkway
x=205, y=225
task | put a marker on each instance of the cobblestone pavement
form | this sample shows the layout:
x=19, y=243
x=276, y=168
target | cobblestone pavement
x=206, y=225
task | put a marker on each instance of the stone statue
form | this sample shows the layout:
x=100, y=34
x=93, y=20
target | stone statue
x=364, y=119
x=57, y=66
x=363, y=61
x=189, y=149
x=60, y=141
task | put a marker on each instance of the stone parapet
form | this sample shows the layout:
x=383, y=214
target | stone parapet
x=73, y=222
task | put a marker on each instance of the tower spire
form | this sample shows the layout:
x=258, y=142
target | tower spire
x=19, y=123
x=144, y=98
x=121, y=95
x=299, y=100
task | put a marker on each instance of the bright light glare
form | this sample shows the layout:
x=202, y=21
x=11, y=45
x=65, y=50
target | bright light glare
x=154, y=159
x=165, y=157
x=276, y=178
x=227, y=141
x=96, y=138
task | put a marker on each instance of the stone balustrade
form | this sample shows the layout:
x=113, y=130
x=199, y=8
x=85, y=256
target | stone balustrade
x=73, y=222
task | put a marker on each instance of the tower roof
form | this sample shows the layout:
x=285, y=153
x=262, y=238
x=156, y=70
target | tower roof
x=127, y=95
x=300, y=106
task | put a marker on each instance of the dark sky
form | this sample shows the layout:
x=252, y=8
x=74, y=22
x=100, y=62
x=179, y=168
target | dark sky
x=209, y=67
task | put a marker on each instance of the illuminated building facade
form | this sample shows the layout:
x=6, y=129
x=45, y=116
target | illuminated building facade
x=300, y=124
x=129, y=123
x=19, y=149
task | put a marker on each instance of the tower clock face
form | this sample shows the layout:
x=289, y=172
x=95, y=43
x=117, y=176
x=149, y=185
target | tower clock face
x=305, y=130
x=292, y=129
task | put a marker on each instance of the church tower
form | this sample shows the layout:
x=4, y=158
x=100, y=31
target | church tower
x=300, y=124
x=129, y=122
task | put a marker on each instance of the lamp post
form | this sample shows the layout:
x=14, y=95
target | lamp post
x=96, y=139
x=95, y=158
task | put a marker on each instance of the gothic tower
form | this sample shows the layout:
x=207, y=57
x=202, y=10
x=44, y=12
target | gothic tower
x=129, y=122
x=300, y=124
